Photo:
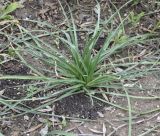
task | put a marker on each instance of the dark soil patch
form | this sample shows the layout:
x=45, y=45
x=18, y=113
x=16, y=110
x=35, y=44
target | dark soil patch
x=13, y=67
x=19, y=126
x=16, y=89
x=78, y=105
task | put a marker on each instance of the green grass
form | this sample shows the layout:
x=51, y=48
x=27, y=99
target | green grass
x=5, y=12
x=78, y=70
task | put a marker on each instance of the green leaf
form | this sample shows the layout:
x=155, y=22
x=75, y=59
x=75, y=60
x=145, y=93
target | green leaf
x=135, y=18
x=1, y=134
x=8, y=17
x=10, y=8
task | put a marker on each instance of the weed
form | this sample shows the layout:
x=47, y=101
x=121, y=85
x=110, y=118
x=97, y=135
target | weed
x=134, y=19
x=76, y=71
x=156, y=27
x=84, y=70
x=5, y=16
x=31, y=89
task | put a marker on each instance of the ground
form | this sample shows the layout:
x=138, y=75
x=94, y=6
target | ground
x=76, y=113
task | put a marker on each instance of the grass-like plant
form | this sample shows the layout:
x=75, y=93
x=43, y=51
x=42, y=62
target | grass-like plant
x=5, y=16
x=78, y=70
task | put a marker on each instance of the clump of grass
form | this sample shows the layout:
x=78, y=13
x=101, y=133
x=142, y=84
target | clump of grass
x=79, y=71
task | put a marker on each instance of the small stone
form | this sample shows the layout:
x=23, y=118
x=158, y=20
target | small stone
x=158, y=119
x=100, y=114
x=1, y=92
x=125, y=14
x=26, y=117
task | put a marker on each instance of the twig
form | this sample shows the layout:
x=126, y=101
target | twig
x=76, y=127
x=150, y=13
x=134, y=123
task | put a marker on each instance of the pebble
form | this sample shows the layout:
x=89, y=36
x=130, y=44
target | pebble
x=26, y=117
x=100, y=114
